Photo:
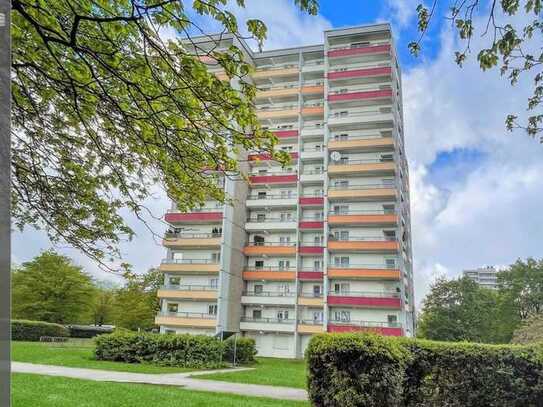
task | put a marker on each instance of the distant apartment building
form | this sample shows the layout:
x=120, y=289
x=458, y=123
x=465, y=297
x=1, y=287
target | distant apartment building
x=323, y=245
x=484, y=276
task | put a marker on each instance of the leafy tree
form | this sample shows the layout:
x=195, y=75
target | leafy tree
x=103, y=306
x=458, y=310
x=517, y=52
x=104, y=107
x=51, y=288
x=136, y=304
x=531, y=331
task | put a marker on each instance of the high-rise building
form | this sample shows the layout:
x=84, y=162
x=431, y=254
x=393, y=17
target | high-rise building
x=323, y=245
x=484, y=276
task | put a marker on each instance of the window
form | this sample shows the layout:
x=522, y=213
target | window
x=170, y=331
x=259, y=264
x=284, y=264
x=286, y=194
x=214, y=283
x=386, y=157
x=390, y=263
x=262, y=195
x=341, y=288
x=392, y=320
x=262, y=172
x=389, y=234
x=259, y=289
x=284, y=288
x=318, y=240
x=286, y=148
x=284, y=240
x=215, y=257
x=343, y=113
x=341, y=209
x=341, y=235
x=258, y=241
x=341, y=137
x=175, y=280
x=257, y=314
x=341, y=183
x=388, y=181
x=388, y=209
x=317, y=291
x=342, y=261
x=260, y=217
x=282, y=314
x=342, y=316
x=173, y=307
x=318, y=316
x=317, y=265
x=318, y=192
x=360, y=44
x=212, y=309
x=286, y=216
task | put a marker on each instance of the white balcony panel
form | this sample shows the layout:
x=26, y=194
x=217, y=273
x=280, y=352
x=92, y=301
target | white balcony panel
x=268, y=300
x=305, y=155
x=368, y=117
x=271, y=202
x=267, y=326
x=255, y=226
x=312, y=177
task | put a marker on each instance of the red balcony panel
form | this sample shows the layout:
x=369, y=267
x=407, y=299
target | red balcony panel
x=286, y=133
x=311, y=250
x=372, y=94
x=376, y=49
x=266, y=156
x=273, y=179
x=386, y=331
x=358, y=73
x=311, y=201
x=311, y=225
x=310, y=275
x=174, y=217
x=377, y=302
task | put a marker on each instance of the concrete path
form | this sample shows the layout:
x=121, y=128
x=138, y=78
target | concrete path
x=171, y=379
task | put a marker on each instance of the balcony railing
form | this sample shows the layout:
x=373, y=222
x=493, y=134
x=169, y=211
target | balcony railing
x=190, y=261
x=273, y=196
x=350, y=137
x=270, y=268
x=275, y=108
x=311, y=294
x=377, y=266
x=366, y=324
x=195, y=315
x=352, y=46
x=310, y=322
x=268, y=294
x=360, y=65
x=268, y=320
x=313, y=172
x=313, y=126
x=363, y=212
x=311, y=244
x=359, y=113
x=363, y=161
x=271, y=219
x=360, y=186
x=268, y=244
x=290, y=85
x=174, y=235
x=293, y=172
x=276, y=67
x=192, y=287
x=198, y=210
x=313, y=83
x=342, y=91
x=314, y=62
x=312, y=268
x=369, y=294
x=363, y=239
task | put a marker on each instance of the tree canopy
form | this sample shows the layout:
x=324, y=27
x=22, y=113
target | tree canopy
x=105, y=107
x=515, y=49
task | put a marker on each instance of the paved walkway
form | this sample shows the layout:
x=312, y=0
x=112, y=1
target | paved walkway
x=171, y=379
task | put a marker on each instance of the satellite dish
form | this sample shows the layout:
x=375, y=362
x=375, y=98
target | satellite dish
x=335, y=156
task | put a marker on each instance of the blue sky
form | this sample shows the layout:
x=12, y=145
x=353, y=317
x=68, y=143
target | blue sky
x=476, y=189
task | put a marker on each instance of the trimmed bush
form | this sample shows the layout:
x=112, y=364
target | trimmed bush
x=245, y=350
x=192, y=351
x=23, y=330
x=88, y=331
x=369, y=370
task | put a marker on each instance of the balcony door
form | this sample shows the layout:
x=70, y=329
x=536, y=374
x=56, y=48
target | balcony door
x=258, y=240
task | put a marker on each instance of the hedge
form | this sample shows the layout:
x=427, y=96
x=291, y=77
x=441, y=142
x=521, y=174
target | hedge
x=245, y=350
x=23, y=330
x=88, y=331
x=369, y=370
x=192, y=351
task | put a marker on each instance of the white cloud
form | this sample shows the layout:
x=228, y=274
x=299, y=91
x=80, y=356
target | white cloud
x=401, y=11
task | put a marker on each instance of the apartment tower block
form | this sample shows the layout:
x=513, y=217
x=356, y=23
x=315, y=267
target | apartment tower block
x=324, y=244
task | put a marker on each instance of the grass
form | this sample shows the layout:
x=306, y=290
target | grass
x=78, y=354
x=47, y=391
x=270, y=371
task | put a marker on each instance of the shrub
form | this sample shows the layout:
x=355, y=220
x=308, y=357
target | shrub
x=88, y=331
x=192, y=351
x=245, y=350
x=22, y=330
x=369, y=370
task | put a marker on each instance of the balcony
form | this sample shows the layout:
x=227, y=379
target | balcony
x=310, y=300
x=359, y=73
x=353, y=118
x=364, y=244
x=291, y=89
x=317, y=110
x=285, y=134
x=196, y=217
x=311, y=224
x=269, y=273
x=363, y=218
x=192, y=240
x=186, y=319
x=278, y=112
x=267, y=324
x=196, y=266
x=382, y=328
x=367, y=167
x=309, y=326
x=274, y=178
x=353, y=143
x=365, y=299
x=310, y=274
x=313, y=88
x=272, y=200
x=310, y=248
x=362, y=192
x=274, y=72
x=311, y=201
x=363, y=272
x=275, y=223
x=270, y=249
x=336, y=96
x=254, y=158
x=348, y=51
x=311, y=131
x=312, y=153
x=268, y=298
x=193, y=292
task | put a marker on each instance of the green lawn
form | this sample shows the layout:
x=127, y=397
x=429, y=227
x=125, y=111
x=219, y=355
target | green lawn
x=78, y=354
x=271, y=371
x=47, y=391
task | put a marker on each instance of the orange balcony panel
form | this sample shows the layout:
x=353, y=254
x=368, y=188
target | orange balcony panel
x=269, y=275
x=179, y=321
x=366, y=167
x=268, y=73
x=311, y=301
x=363, y=219
x=275, y=114
x=193, y=268
x=180, y=242
x=309, y=90
x=364, y=273
x=310, y=329
x=362, y=144
x=364, y=245
x=372, y=193
x=277, y=92
x=313, y=111
x=269, y=250
x=189, y=294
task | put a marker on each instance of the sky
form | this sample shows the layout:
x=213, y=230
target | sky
x=476, y=189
